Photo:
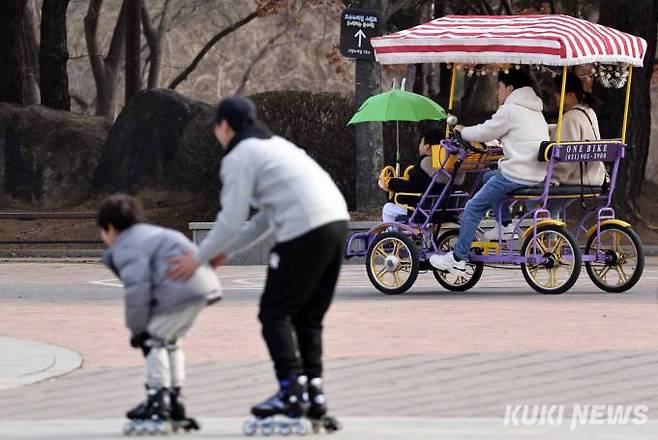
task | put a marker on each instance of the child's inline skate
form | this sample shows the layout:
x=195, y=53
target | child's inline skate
x=317, y=410
x=179, y=418
x=150, y=417
x=283, y=413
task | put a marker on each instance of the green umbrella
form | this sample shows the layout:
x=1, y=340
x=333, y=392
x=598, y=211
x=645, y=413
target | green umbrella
x=398, y=105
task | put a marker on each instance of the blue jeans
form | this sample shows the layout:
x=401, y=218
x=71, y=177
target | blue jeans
x=488, y=197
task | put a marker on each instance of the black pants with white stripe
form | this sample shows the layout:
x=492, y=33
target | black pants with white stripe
x=301, y=280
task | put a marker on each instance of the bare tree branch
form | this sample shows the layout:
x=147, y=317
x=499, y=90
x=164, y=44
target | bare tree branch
x=487, y=7
x=117, y=46
x=209, y=45
x=393, y=7
x=154, y=41
x=53, y=55
x=257, y=58
x=154, y=73
x=149, y=33
x=84, y=105
x=104, y=69
x=91, y=29
x=506, y=7
x=469, y=6
x=476, y=6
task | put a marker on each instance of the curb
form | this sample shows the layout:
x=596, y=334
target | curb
x=94, y=255
x=26, y=362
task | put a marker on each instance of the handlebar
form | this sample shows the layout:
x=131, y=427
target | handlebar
x=467, y=145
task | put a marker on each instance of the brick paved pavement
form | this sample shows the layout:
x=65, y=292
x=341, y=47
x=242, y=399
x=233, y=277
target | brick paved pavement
x=429, y=355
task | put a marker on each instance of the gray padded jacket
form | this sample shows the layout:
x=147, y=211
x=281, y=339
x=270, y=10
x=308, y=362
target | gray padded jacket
x=139, y=258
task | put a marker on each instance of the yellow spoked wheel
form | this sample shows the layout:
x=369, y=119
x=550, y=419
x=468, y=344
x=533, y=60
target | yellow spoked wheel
x=457, y=283
x=392, y=263
x=622, y=251
x=553, y=260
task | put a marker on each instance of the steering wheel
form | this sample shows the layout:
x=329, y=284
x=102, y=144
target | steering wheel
x=387, y=173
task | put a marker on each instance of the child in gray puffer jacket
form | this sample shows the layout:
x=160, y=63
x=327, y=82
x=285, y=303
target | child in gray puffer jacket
x=158, y=310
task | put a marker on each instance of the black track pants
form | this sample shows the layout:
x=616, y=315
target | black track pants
x=300, y=286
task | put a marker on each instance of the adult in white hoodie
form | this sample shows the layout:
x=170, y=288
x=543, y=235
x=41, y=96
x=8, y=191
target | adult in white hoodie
x=521, y=127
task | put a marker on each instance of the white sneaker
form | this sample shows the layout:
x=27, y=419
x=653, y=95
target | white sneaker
x=448, y=263
x=492, y=234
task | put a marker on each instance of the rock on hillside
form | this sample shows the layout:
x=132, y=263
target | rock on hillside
x=314, y=121
x=143, y=145
x=48, y=156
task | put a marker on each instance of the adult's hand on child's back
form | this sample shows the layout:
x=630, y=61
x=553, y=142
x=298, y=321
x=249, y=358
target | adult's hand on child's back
x=182, y=267
x=219, y=260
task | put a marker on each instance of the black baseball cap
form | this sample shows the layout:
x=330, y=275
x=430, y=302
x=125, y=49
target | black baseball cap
x=239, y=112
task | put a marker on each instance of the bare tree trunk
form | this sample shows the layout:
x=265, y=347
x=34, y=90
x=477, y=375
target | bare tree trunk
x=441, y=9
x=369, y=138
x=31, y=48
x=505, y=7
x=423, y=84
x=154, y=41
x=105, y=70
x=639, y=17
x=12, y=76
x=133, y=52
x=19, y=66
x=53, y=55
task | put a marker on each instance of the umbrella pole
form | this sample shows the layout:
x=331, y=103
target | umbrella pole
x=451, y=101
x=397, y=153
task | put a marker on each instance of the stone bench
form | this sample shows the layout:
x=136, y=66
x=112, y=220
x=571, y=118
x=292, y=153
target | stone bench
x=259, y=253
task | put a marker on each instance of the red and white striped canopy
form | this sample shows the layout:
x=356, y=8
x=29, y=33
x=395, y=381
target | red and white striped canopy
x=553, y=40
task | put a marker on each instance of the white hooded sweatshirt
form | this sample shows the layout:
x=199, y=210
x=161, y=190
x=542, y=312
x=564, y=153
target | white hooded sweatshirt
x=521, y=127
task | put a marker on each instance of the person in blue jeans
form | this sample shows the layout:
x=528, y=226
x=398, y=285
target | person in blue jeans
x=521, y=127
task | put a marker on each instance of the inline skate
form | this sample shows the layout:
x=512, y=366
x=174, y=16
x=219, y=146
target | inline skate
x=317, y=409
x=283, y=413
x=178, y=415
x=150, y=417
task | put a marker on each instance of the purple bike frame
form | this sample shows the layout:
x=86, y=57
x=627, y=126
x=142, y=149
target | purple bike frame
x=431, y=204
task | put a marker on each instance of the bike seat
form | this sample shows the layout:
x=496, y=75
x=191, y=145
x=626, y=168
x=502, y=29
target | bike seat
x=560, y=190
